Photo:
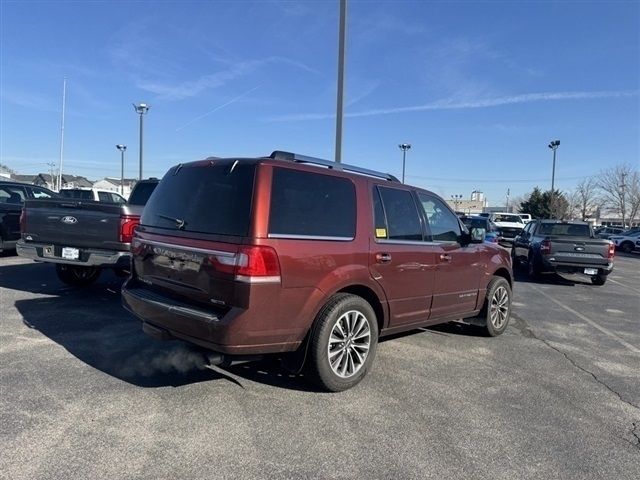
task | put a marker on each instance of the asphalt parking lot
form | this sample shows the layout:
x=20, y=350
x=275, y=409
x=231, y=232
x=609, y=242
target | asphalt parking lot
x=85, y=394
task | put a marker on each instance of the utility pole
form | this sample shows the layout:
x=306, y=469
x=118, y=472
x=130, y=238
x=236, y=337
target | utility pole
x=64, y=103
x=339, y=106
x=508, y=193
x=623, y=203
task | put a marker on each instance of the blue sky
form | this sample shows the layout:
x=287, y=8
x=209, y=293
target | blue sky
x=478, y=88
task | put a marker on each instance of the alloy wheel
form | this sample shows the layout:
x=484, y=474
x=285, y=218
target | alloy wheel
x=499, y=307
x=349, y=343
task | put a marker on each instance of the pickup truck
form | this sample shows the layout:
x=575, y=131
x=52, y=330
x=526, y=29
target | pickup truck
x=82, y=237
x=555, y=246
x=509, y=224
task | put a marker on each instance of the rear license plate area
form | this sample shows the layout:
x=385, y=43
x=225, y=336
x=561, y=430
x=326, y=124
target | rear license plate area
x=69, y=253
x=590, y=271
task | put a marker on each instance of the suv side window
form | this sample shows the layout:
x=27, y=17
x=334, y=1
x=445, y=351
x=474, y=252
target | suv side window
x=115, y=198
x=104, y=197
x=306, y=204
x=11, y=194
x=401, y=220
x=444, y=225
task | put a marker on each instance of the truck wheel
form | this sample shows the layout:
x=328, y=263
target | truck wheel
x=515, y=261
x=497, y=306
x=77, y=275
x=599, y=279
x=343, y=343
x=627, y=247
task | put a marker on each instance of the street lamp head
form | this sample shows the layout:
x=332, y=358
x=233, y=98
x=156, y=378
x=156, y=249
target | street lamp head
x=141, y=108
x=554, y=144
x=122, y=148
x=404, y=146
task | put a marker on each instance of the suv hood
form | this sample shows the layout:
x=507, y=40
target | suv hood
x=510, y=224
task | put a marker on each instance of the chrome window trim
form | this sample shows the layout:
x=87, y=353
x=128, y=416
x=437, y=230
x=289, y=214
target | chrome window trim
x=308, y=237
x=182, y=247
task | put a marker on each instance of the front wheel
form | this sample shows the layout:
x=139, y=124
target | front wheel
x=343, y=343
x=497, y=306
x=77, y=275
x=627, y=247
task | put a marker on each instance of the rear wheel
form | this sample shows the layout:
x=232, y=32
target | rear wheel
x=626, y=247
x=514, y=258
x=599, y=279
x=533, y=268
x=497, y=306
x=343, y=343
x=77, y=275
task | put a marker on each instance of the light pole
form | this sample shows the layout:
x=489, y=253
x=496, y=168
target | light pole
x=404, y=147
x=122, y=149
x=339, y=102
x=553, y=146
x=141, y=109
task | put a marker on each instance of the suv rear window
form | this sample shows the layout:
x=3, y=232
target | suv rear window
x=210, y=198
x=79, y=194
x=311, y=205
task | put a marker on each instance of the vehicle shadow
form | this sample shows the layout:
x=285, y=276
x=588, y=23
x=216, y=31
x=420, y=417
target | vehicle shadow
x=520, y=275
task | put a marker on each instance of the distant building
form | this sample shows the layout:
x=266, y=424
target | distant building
x=5, y=172
x=473, y=206
x=47, y=181
x=113, y=184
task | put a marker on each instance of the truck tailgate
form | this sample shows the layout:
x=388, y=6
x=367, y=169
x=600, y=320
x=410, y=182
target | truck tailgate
x=579, y=250
x=70, y=223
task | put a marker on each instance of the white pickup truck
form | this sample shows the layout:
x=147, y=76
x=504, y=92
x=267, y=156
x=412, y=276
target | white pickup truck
x=509, y=224
x=93, y=194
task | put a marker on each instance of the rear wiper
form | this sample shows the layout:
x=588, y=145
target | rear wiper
x=180, y=223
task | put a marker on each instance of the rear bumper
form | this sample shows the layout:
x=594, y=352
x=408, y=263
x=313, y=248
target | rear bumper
x=88, y=257
x=549, y=265
x=164, y=318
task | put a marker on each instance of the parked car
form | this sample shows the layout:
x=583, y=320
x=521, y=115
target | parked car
x=82, y=237
x=509, y=224
x=492, y=233
x=606, y=232
x=564, y=247
x=94, y=194
x=278, y=256
x=627, y=241
x=526, y=217
x=12, y=197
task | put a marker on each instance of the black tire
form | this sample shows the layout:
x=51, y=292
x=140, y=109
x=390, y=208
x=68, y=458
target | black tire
x=599, y=279
x=626, y=247
x=533, y=267
x=496, y=311
x=77, y=275
x=341, y=308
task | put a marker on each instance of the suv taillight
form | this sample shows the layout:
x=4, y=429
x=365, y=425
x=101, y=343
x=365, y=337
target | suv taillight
x=23, y=220
x=128, y=224
x=252, y=262
x=545, y=247
x=612, y=251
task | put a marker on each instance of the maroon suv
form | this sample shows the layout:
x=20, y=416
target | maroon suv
x=282, y=255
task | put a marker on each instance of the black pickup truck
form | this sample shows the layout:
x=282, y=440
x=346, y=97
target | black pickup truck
x=548, y=246
x=82, y=237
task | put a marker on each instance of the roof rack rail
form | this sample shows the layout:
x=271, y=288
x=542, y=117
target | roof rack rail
x=294, y=157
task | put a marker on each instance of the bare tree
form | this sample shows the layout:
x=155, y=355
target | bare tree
x=620, y=189
x=585, y=199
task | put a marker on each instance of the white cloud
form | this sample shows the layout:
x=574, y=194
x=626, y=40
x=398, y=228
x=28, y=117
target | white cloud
x=456, y=104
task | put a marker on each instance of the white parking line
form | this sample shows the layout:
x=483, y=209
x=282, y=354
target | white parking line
x=623, y=285
x=588, y=320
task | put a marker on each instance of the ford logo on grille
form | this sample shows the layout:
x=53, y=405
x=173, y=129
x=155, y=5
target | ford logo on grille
x=69, y=220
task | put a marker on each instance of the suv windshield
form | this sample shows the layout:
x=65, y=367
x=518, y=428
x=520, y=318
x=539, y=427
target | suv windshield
x=475, y=223
x=211, y=197
x=570, y=229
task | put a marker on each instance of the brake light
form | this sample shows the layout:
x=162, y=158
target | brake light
x=545, y=246
x=612, y=251
x=23, y=220
x=252, y=263
x=128, y=224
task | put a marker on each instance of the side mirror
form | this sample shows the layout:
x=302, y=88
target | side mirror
x=477, y=235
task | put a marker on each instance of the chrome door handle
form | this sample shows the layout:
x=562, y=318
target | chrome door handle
x=383, y=257
x=445, y=257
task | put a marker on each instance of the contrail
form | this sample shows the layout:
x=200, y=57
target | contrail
x=452, y=104
x=234, y=100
